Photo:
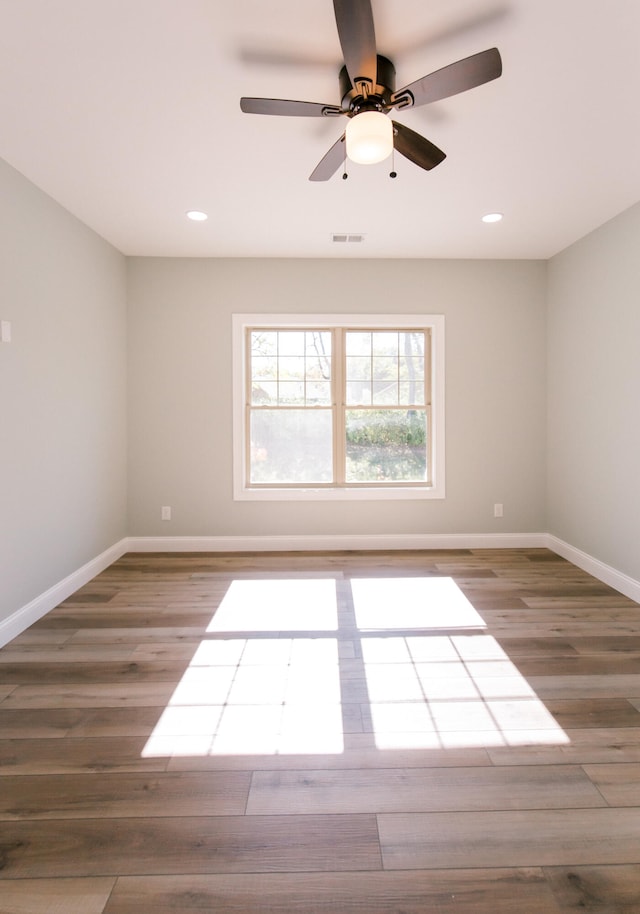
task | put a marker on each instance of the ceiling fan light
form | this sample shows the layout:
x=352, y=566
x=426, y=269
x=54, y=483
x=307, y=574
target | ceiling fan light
x=369, y=137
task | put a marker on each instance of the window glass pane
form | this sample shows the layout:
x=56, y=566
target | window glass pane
x=386, y=446
x=358, y=343
x=291, y=393
x=385, y=367
x=318, y=369
x=411, y=343
x=264, y=392
x=411, y=393
x=264, y=342
x=264, y=367
x=385, y=343
x=291, y=368
x=274, y=460
x=385, y=393
x=318, y=344
x=291, y=342
x=412, y=369
x=359, y=393
x=358, y=368
x=318, y=393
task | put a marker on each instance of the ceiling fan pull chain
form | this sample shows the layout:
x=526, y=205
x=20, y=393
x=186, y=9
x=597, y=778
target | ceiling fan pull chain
x=393, y=173
x=344, y=164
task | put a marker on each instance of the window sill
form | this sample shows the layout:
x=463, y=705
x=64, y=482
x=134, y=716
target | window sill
x=405, y=493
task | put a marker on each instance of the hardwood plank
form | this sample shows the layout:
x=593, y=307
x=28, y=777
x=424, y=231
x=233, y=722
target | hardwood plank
x=68, y=756
x=618, y=784
x=159, y=650
x=572, y=713
x=592, y=665
x=596, y=686
x=84, y=595
x=103, y=723
x=56, y=723
x=141, y=618
x=70, y=672
x=448, y=892
x=39, y=636
x=38, y=723
x=515, y=648
x=583, y=747
x=220, y=844
x=93, y=695
x=134, y=635
x=55, y=896
x=566, y=837
x=106, y=794
x=560, y=615
x=420, y=790
x=611, y=645
x=600, y=889
x=37, y=653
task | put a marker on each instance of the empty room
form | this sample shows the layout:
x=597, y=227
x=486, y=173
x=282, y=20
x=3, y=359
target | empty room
x=320, y=512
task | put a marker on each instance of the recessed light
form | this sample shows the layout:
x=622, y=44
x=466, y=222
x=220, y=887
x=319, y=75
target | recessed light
x=196, y=216
x=492, y=217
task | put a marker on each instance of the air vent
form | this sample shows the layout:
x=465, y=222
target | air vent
x=347, y=239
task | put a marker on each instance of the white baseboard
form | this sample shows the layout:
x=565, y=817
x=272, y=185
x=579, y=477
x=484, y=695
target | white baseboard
x=20, y=620
x=605, y=573
x=16, y=623
x=342, y=542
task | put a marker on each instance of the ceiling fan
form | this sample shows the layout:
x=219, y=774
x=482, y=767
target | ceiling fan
x=368, y=94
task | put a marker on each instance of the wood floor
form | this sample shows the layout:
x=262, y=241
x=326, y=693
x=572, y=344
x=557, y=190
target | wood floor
x=381, y=733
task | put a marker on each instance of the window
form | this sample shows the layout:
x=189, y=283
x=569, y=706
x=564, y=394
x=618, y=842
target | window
x=338, y=407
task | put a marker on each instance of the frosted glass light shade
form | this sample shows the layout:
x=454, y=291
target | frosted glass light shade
x=369, y=137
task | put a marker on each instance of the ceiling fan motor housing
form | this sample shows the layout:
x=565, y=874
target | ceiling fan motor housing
x=373, y=98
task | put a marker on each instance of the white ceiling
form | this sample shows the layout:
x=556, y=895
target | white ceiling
x=127, y=113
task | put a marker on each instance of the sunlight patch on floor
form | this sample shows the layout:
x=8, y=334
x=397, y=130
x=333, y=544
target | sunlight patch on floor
x=281, y=605
x=251, y=691
x=383, y=604
x=255, y=697
x=429, y=696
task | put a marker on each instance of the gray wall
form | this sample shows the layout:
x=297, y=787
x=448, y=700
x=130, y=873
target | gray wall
x=62, y=394
x=180, y=405
x=594, y=394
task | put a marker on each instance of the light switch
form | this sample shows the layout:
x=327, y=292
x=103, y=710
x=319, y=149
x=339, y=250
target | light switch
x=5, y=331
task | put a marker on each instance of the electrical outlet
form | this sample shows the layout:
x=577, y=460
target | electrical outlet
x=497, y=511
x=165, y=512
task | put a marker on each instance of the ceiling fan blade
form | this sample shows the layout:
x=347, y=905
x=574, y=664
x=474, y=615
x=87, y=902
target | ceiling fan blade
x=416, y=148
x=288, y=107
x=451, y=80
x=354, y=19
x=330, y=162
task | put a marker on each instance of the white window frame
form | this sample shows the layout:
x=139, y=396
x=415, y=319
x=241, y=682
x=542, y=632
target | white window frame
x=433, y=322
